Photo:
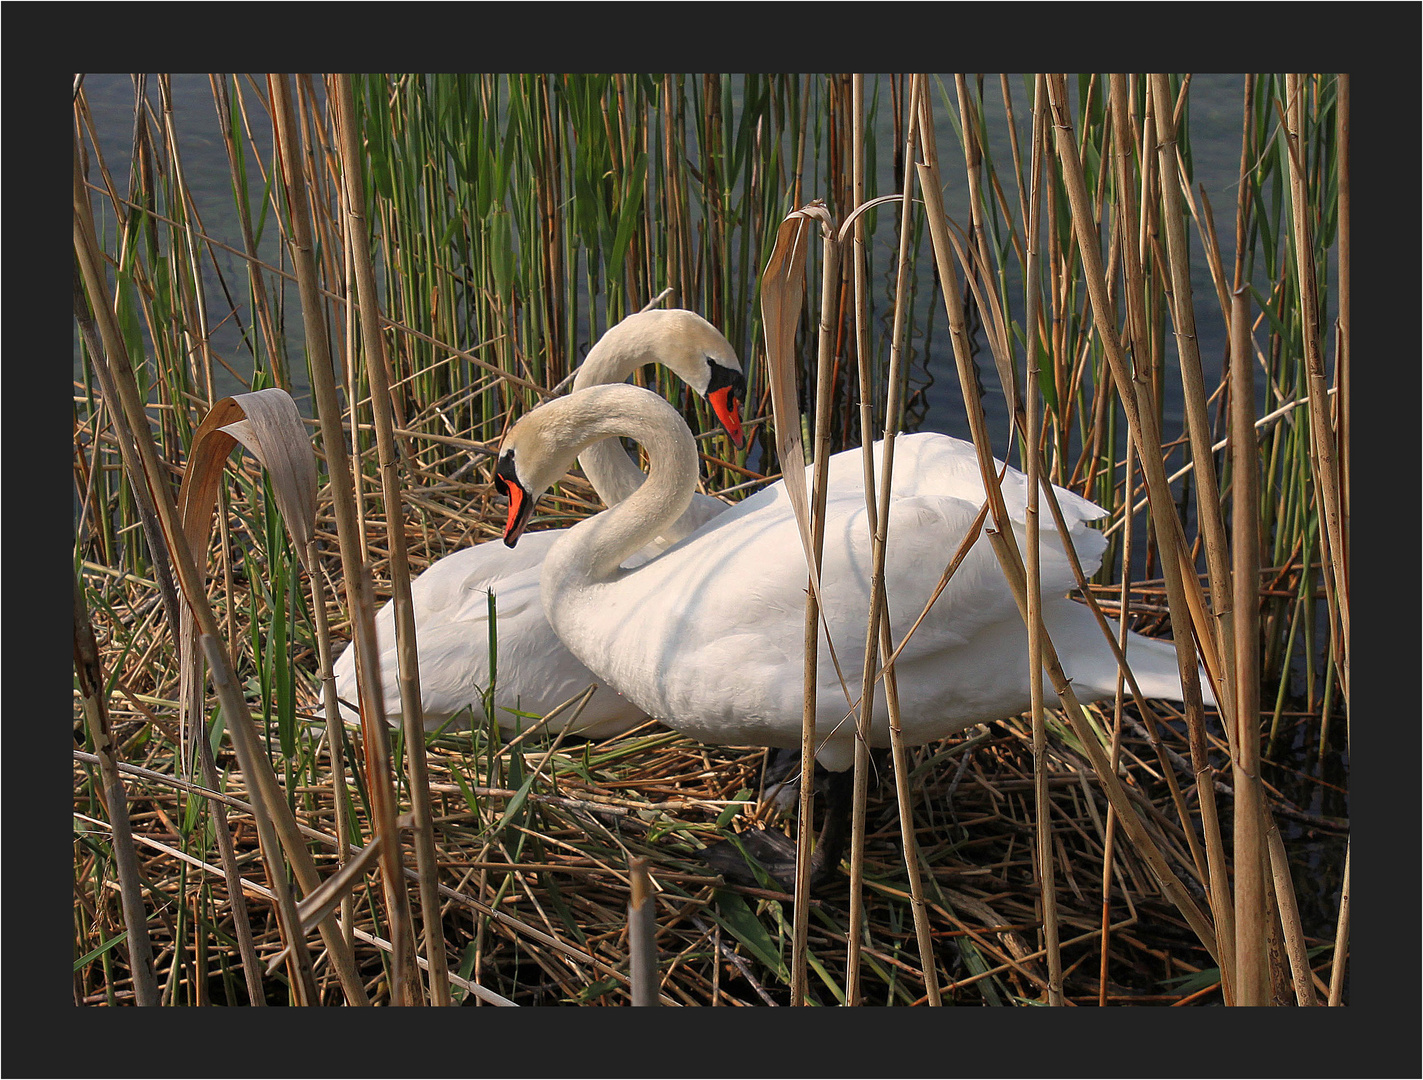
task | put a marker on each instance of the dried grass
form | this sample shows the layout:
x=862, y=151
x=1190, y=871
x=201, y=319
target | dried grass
x=552, y=861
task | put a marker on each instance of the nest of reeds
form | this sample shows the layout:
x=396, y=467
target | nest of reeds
x=534, y=837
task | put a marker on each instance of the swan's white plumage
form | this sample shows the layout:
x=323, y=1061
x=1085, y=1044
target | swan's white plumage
x=535, y=672
x=707, y=636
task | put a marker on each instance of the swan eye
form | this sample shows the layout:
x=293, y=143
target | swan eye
x=504, y=473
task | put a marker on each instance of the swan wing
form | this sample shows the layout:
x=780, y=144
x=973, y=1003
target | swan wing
x=535, y=673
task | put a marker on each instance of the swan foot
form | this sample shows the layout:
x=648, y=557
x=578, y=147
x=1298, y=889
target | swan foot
x=760, y=858
x=776, y=853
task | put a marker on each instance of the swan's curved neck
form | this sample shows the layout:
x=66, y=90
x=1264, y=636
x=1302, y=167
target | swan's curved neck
x=595, y=548
x=612, y=472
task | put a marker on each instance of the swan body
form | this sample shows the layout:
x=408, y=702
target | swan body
x=534, y=671
x=707, y=635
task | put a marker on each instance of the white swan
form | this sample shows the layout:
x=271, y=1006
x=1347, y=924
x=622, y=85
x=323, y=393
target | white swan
x=707, y=636
x=534, y=671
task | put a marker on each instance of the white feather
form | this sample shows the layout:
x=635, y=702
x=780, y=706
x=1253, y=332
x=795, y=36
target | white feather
x=707, y=636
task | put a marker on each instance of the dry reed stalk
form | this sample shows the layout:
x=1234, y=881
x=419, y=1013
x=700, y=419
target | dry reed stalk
x=642, y=935
x=1342, y=367
x=858, y=261
x=1007, y=555
x=978, y=232
x=381, y=790
x=353, y=389
x=273, y=814
x=1184, y=322
x=96, y=714
x=1048, y=884
x=1252, y=963
x=1216, y=875
x=405, y=985
x=877, y=630
x=1283, y=896
x=1342, y=401
x=824, y=388
x=1341, y=937
x=1110, y=832
x=378, y=374
x=336, y=742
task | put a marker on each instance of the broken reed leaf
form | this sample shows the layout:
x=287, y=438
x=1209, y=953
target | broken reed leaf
x=269, y=426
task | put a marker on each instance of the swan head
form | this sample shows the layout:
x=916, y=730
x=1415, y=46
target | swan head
x=683, y=341
x=726, y=392
x=526, y=469
x=543, y=445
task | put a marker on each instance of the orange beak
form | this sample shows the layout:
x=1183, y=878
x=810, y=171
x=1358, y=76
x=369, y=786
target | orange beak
x=728, y=411
x=514, y=526
x=506, y=483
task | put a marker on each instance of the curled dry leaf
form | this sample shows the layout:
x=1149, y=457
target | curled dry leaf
x=782, y=288
x=267, y=423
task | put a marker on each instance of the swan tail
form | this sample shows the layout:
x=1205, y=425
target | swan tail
x=346, y=691
x=1090, y=663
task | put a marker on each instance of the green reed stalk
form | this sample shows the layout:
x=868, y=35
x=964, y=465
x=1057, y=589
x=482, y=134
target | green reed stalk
x=1322, y=437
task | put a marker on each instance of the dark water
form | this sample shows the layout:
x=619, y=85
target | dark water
x=1214, y=127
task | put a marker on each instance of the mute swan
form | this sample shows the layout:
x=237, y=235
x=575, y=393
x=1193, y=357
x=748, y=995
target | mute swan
x=707, y=636
x=535, y=672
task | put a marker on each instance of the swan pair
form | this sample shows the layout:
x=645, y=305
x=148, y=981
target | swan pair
x=534, y=672
x=707, y=636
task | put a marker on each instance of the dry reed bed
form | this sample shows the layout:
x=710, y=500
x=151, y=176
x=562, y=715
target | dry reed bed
x=563, y=870
x=559, y=864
